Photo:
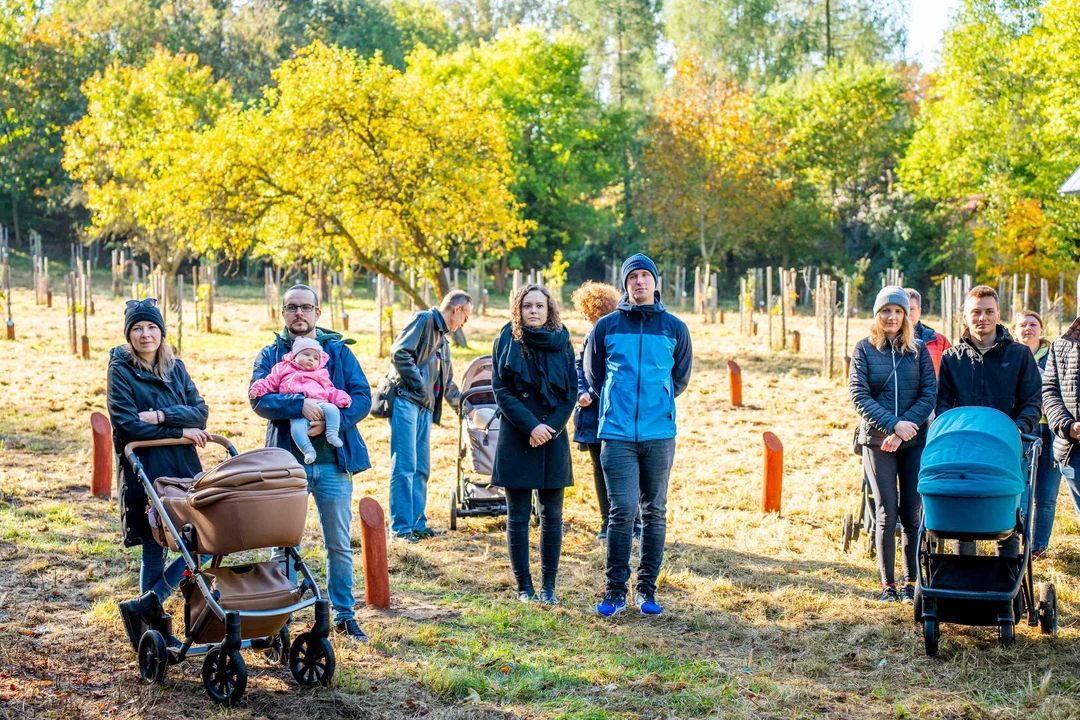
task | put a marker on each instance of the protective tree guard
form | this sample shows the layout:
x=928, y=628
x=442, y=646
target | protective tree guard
x=101, y=435
x=774, y=474
x=373, y=548
x=735, y=378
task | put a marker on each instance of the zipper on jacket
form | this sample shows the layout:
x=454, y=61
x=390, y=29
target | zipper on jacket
x=637, y=398
x=896, y=383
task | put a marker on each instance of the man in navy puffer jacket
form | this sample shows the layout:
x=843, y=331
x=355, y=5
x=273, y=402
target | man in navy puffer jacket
x=640, y=358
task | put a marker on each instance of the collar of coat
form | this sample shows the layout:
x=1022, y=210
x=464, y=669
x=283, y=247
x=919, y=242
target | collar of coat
x=322, y=336
x=440, y=323
x=1003, y=338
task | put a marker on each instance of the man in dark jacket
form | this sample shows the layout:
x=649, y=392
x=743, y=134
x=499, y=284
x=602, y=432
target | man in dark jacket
x=330, y=476
x=423, y=376
x=987, y=368
x=640, y=357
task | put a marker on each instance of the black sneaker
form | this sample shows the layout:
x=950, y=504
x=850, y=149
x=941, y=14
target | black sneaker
x=409, y=538
x=907, y=594
x=351, y=629
x=889, y=594
x=428, y=533
x=139, y=614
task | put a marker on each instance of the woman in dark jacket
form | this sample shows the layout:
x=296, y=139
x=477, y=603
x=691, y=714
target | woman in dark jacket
x=894, y=389
x=594, y=300
x=533, y=378
x=1061, y=406
x=151, y=397
x=1028, y=329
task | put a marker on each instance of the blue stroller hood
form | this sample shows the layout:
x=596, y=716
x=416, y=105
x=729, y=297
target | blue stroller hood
x=972, y=474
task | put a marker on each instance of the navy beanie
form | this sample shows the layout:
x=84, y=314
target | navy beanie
x=638, y=262
x=140, y=312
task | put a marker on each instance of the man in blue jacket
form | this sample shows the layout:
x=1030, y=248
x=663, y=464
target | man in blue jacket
x=640, y=357
x=330, y=476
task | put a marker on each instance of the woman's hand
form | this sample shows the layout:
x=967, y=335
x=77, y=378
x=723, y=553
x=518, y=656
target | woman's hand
x=540, y=435
x=906, y=430
x=1074, y=431
x=150, y=417
x=584, y=400
x=197, y=436
x=891, y=444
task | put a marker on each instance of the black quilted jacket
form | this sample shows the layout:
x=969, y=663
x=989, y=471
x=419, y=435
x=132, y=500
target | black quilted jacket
x=1060, y=381
x=888, y=386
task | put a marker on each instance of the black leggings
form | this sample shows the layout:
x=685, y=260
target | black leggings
x=518, y=512
x=894, y=478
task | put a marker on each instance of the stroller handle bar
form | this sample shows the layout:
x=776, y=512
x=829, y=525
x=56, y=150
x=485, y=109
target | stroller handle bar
x=136, y=444
x=471, y=392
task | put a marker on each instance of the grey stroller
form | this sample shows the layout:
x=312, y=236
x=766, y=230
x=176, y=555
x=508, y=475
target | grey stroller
x=478, y=420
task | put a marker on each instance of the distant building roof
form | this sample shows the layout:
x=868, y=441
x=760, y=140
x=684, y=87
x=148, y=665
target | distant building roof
x=1072, y=185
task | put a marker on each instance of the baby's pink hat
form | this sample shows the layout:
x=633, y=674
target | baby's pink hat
x=304, y=343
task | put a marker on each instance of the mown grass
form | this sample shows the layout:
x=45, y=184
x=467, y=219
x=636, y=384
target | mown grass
x=765, y=617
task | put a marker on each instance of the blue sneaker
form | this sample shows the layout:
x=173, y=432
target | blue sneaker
x=647, y=604
x=612, y=604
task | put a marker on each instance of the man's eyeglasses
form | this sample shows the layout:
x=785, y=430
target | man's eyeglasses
x=291, y=309
x=148, y=302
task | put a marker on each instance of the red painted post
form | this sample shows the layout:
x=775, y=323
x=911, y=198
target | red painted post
x=796, y=340
x=721, y=316
x=373, y=547
x=101, y=434
x=774, y=474
x=10, y=330
x=735, y=377
x=847, y=366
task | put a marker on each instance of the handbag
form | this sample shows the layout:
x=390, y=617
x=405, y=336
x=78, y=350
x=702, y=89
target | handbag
x=382, y=398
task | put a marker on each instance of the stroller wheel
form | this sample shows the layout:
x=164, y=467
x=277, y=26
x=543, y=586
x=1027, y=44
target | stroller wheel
x=153, y=657
x=931, y=633
x=847, y=533
x=1047, y=608
x=1006, y=635
x=311, y=660
x=453, y=510
x=224, y=683
x=278, y=652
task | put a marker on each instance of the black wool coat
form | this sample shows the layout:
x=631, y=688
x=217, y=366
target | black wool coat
x=131, y=391
x=517, y=464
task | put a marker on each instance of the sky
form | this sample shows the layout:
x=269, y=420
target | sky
x=928, y=20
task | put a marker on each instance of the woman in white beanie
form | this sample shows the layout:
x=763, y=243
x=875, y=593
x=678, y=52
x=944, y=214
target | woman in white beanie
x=894, y=390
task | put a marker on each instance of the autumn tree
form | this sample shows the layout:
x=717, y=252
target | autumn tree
x=348, y=159
x=140, y=128
x=708, y=166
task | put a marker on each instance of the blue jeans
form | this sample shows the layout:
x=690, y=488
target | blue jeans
x=298, y=428
x=1047, y=486
x=637, y=475
x=410, y=466
x=332, y=490
x=153, y=575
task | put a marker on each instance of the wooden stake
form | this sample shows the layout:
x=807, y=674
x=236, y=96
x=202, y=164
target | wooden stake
x=735, y=379
x=772, y=486
x=101, y=437
x=373, y=548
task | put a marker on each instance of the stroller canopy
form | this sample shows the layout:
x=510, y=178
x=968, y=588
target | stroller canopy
x=972, y=452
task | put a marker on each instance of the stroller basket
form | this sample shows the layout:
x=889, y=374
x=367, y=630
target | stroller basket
x=263, y=586
x=257, y=499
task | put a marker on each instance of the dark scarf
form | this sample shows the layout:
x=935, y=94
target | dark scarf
x=546, y=349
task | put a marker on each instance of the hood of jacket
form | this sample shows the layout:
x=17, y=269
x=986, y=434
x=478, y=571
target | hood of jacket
x=626, y=306
x=322, y=336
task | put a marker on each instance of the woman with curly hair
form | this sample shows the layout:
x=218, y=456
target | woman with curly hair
x=594, y=300
x=532, y=375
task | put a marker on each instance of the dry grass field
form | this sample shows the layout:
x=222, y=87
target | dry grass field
x=764, y=616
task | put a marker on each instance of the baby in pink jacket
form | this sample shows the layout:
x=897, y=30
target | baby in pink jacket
x=303, y=372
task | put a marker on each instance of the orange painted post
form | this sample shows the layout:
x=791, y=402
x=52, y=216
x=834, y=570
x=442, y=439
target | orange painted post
x=735, y=376
x=774, y=474
x=796, y=340
x=345, y=320
x=373, y=547
x=847, y=366
x=101, y=433
x=755, y=328
x=10, y=330
x=721, y=316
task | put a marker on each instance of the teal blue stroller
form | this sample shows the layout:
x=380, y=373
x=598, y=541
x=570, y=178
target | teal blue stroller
x=977, y=482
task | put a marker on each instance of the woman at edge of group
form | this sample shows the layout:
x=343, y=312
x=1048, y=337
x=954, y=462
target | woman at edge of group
x=1028, y=328
x=893, y=388
x=151, y=397
x=535, y=386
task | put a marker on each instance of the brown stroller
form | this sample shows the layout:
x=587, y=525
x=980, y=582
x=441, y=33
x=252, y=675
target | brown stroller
x=247, y=502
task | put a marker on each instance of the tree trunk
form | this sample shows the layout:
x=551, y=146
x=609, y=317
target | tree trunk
x=500, y=274
x=15, y=218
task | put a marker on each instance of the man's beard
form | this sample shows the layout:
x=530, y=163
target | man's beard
x=300, y=327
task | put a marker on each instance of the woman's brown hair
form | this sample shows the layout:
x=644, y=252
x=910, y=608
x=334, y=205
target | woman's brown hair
x=595, y=300
x=552, y=323
x=164, y=360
